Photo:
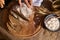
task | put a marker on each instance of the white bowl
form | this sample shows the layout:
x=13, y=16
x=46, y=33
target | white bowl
x=52, y=22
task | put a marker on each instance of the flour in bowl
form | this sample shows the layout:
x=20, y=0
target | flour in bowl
x=52, y=24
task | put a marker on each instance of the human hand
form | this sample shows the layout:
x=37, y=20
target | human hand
x=2, y=2
x=28, y=3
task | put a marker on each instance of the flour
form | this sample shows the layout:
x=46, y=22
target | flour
x=25, y=10
x=52, y=24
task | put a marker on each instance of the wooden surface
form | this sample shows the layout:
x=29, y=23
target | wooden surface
x=43, y=34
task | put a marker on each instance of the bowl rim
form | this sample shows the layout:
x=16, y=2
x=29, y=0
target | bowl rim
x=48, y=17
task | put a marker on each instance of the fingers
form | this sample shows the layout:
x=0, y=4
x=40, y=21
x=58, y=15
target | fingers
x=28, y=2
x=1, y=5
x=2, y=2
x=20, y=2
